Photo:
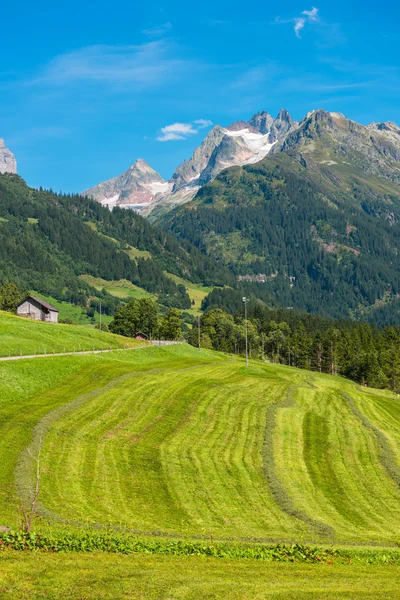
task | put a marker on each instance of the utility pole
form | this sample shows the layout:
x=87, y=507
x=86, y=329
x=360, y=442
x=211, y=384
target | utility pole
x=198, y=330
x=100, y=315
x=245, y=300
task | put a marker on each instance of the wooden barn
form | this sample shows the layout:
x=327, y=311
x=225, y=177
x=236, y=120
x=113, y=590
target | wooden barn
x=35, y=308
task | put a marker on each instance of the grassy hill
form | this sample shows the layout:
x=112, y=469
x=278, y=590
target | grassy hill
x=191, y=451
x=23, y=335
x=192, y=443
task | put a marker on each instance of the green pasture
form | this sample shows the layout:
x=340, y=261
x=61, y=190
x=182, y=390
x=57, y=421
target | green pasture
x=121, y=289
x=19, y=335
x=97, y=576
x=191, y=443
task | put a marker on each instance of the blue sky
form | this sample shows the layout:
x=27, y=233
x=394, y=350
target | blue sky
x=86, y=88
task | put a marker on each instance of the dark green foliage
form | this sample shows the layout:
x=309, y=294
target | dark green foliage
x=322, y=246
x=138, y=316
x=126, y=226
x=109, y=542
x=47, y=241
x=9, y=296
x=170, y=325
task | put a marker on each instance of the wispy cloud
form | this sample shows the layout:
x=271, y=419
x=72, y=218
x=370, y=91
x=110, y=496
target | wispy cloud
x=306, y=16
x=157, y=30
x=143, y=65
x=181, y=131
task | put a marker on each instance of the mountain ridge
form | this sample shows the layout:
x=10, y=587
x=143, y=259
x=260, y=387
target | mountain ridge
x=242, y=142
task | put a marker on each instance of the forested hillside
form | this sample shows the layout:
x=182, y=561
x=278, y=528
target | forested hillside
x=48, y=240
x=324, y=238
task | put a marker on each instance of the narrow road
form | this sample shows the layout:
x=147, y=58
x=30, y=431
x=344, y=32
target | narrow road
x=51, y=354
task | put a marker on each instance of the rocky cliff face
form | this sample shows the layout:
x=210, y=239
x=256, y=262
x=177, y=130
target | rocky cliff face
x=8, y=164
x=330, y=138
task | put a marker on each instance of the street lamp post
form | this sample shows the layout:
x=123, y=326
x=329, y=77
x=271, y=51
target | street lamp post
x=245, y=300
x=198, y=332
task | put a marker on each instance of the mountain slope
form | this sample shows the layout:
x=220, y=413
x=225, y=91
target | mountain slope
x=323, y=232
x=47, y=241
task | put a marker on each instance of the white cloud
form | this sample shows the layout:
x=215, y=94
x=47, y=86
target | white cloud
x=299, y=22
x=144, y=66
x=298, y=26
x=311, y=14
x=181, y=131
x=307, y=16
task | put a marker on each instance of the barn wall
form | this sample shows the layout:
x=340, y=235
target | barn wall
x=30, y=309
x=34, y=310
x=52, y=316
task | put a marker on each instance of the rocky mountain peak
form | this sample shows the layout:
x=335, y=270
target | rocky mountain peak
x=240, y=126
x=262, y=122
x=143, y=171
x=8, y=164
x=284, y=115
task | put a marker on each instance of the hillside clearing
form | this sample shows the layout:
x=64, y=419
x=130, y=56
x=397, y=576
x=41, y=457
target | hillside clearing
x=192, y=443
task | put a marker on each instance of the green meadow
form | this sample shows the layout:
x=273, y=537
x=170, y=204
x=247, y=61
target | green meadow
x=99, y=576
x=176, y=443
x=19, y=335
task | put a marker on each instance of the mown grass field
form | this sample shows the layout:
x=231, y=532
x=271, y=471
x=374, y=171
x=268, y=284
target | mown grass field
x=19, y=335
x=100, y=576
x=178, y=442
x=192, y=443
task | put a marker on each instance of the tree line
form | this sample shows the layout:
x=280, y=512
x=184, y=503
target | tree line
x=358, y=351
x=143, y=317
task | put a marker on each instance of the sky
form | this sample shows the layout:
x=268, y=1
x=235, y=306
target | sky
x=88, y=87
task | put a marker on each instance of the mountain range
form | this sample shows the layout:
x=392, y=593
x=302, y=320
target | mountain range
x=314, y=225
x=298, y=214
x=243, y=142
x=248, y=142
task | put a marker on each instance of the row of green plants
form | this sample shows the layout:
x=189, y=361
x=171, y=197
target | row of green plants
x=108, y=542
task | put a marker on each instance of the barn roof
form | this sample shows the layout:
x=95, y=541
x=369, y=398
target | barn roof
x=39, y=301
